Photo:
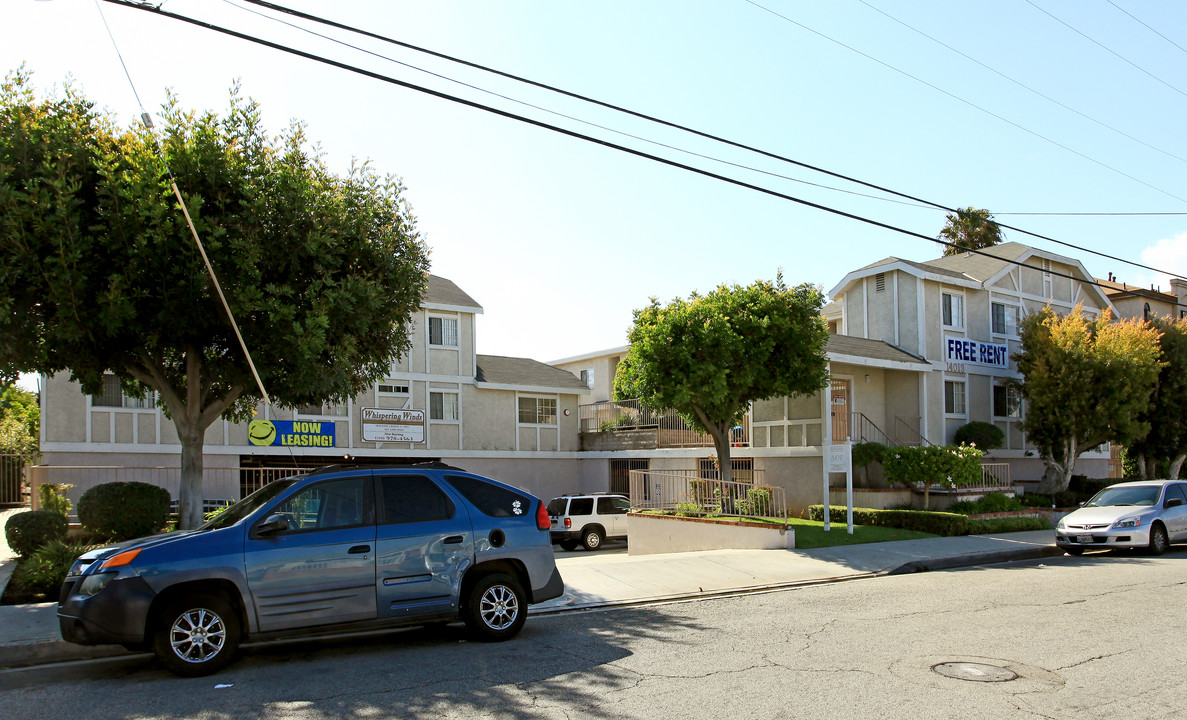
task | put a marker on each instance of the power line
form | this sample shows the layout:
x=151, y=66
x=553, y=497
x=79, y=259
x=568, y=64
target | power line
x=971, y=104
x=400, y=43
x=517, y=101
x=1023, y=85
x=1139, y=22
x=1104, y=47
x=575, y=134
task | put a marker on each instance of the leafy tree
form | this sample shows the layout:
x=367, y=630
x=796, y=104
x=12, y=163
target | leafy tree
x=99, y=273
x=1166, y=442
x=20, y=419
x=1085, y=382
x=710, y=356
x=947, y=466
x=970, y=228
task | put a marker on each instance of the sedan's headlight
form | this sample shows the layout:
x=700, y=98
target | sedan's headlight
x=1059, y=525
x=1129, y=522
x=94, y=583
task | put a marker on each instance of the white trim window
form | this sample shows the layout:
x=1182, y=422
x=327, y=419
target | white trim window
x=394, y=387
x=443, y=332
x=954, y=397
x=537, y=411
x=113, y=395
x=443, y=406
x=1007, y=403
x=326, y=410
x=952, y=310
x=1005, y=319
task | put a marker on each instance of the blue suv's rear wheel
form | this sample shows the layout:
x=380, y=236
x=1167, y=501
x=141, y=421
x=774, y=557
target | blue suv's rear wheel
x=197, y=635
x=496, y=608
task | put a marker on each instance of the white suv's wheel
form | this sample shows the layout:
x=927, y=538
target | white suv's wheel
x=591, y=538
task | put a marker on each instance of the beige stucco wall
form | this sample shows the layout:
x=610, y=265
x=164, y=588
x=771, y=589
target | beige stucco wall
x=603, y=368
x=652, y=534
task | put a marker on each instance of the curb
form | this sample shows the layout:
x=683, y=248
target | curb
x=44, y=652
x=988, y=558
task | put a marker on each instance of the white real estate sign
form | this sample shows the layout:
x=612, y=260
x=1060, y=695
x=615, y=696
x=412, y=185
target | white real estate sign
x=839, y=459
x=389, y=425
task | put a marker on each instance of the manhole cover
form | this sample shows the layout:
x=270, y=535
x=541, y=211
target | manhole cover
x=977, y=672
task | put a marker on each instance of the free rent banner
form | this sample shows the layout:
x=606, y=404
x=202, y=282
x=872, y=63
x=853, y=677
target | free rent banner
x=291, y=433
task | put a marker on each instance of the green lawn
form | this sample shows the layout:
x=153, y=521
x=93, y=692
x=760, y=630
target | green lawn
x=811, y=534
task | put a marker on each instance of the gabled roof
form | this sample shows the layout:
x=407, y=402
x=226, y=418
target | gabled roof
x=975, y=270
x=511, y=373
x=875, y=353
x=442, y=294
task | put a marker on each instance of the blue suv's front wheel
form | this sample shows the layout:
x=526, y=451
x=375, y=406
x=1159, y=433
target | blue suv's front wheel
x=496, y=608
x=197, y=635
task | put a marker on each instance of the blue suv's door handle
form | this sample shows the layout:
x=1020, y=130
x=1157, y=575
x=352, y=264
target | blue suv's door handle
x=359, y=549
x=454, y=539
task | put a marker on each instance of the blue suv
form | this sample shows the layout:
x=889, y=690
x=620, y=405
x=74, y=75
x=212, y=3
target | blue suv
x=342, y=547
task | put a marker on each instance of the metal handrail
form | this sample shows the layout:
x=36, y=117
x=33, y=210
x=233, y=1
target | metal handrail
x=701, y=493
x=915, y=437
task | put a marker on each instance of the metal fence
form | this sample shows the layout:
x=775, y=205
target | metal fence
x=13, y=486
x=996, y=475
x=220, y=486
x=698, y=492
x=671, y=430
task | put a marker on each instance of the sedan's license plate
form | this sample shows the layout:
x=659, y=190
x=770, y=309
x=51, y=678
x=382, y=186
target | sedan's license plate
x=1083, y=539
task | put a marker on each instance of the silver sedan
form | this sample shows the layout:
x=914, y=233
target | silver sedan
x=1148, y=515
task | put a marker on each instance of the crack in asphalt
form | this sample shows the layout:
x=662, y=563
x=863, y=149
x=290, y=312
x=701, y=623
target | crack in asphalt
x=1092, y=659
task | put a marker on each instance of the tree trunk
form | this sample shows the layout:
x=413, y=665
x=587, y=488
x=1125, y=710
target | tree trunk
x=190, y=498
x=1176, y=466
x=721, y=442
x=1058, y=473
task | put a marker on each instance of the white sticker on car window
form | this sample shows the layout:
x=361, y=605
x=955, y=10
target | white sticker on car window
x=515, y=508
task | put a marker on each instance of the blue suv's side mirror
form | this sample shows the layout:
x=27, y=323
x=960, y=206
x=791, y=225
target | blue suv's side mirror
x=271, y=526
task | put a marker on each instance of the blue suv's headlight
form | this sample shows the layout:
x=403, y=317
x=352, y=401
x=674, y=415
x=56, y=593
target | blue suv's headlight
x=92, y=584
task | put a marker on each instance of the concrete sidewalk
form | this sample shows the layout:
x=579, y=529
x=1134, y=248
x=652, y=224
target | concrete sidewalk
x=29, y=633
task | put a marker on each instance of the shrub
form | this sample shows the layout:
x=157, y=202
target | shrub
x=42, y=574
x=985, y=436
x=688, y=509
x=757, y=502
x=124, y=510
x=53, y=498
x=984, y=526
x=26, y=532
x=931, y=464
x=990, y=503
x=1066, y=498
x=868, y=452
x=938, y=523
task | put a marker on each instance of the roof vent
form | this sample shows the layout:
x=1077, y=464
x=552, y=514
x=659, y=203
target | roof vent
x=880, y=282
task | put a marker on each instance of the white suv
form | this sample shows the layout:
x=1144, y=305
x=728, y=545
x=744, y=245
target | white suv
x=588, y=519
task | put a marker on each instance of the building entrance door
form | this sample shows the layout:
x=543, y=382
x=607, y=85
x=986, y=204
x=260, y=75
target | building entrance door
x=839, y=401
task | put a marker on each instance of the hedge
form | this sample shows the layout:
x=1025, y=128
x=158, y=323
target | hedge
x=29, y=531
x=937, y=523
x=124, y=510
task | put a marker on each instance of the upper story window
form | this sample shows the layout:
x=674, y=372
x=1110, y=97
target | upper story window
x=954, y=397
x=443, y=406
x=1006, y=402
x=443, y=331
x=394, y=387
x=587, y=378
x=331, y=409
x=952, y=309
x=537, y=411
x=113, y=395
x=1006, y=318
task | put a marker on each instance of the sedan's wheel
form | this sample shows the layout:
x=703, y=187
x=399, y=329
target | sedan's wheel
x=197, y=636
x=1158, y=540
x=496, y=609
x=592, y=539
x=1074, y=551
x=569, y=544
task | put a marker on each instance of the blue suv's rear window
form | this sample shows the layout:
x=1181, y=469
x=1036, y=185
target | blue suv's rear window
x=490, y=500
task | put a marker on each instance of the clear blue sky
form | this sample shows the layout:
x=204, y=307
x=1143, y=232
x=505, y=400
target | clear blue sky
x=559, y=240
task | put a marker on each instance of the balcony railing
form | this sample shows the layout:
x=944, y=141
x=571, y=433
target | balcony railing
x=671, y=429
x=700, y=492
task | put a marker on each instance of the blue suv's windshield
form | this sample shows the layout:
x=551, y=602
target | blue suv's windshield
x=248, y=505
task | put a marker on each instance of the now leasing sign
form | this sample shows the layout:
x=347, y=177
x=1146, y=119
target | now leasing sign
x=973, y=352
x=389, y=425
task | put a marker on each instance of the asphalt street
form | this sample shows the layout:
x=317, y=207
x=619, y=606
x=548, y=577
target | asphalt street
x=1059, y=637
